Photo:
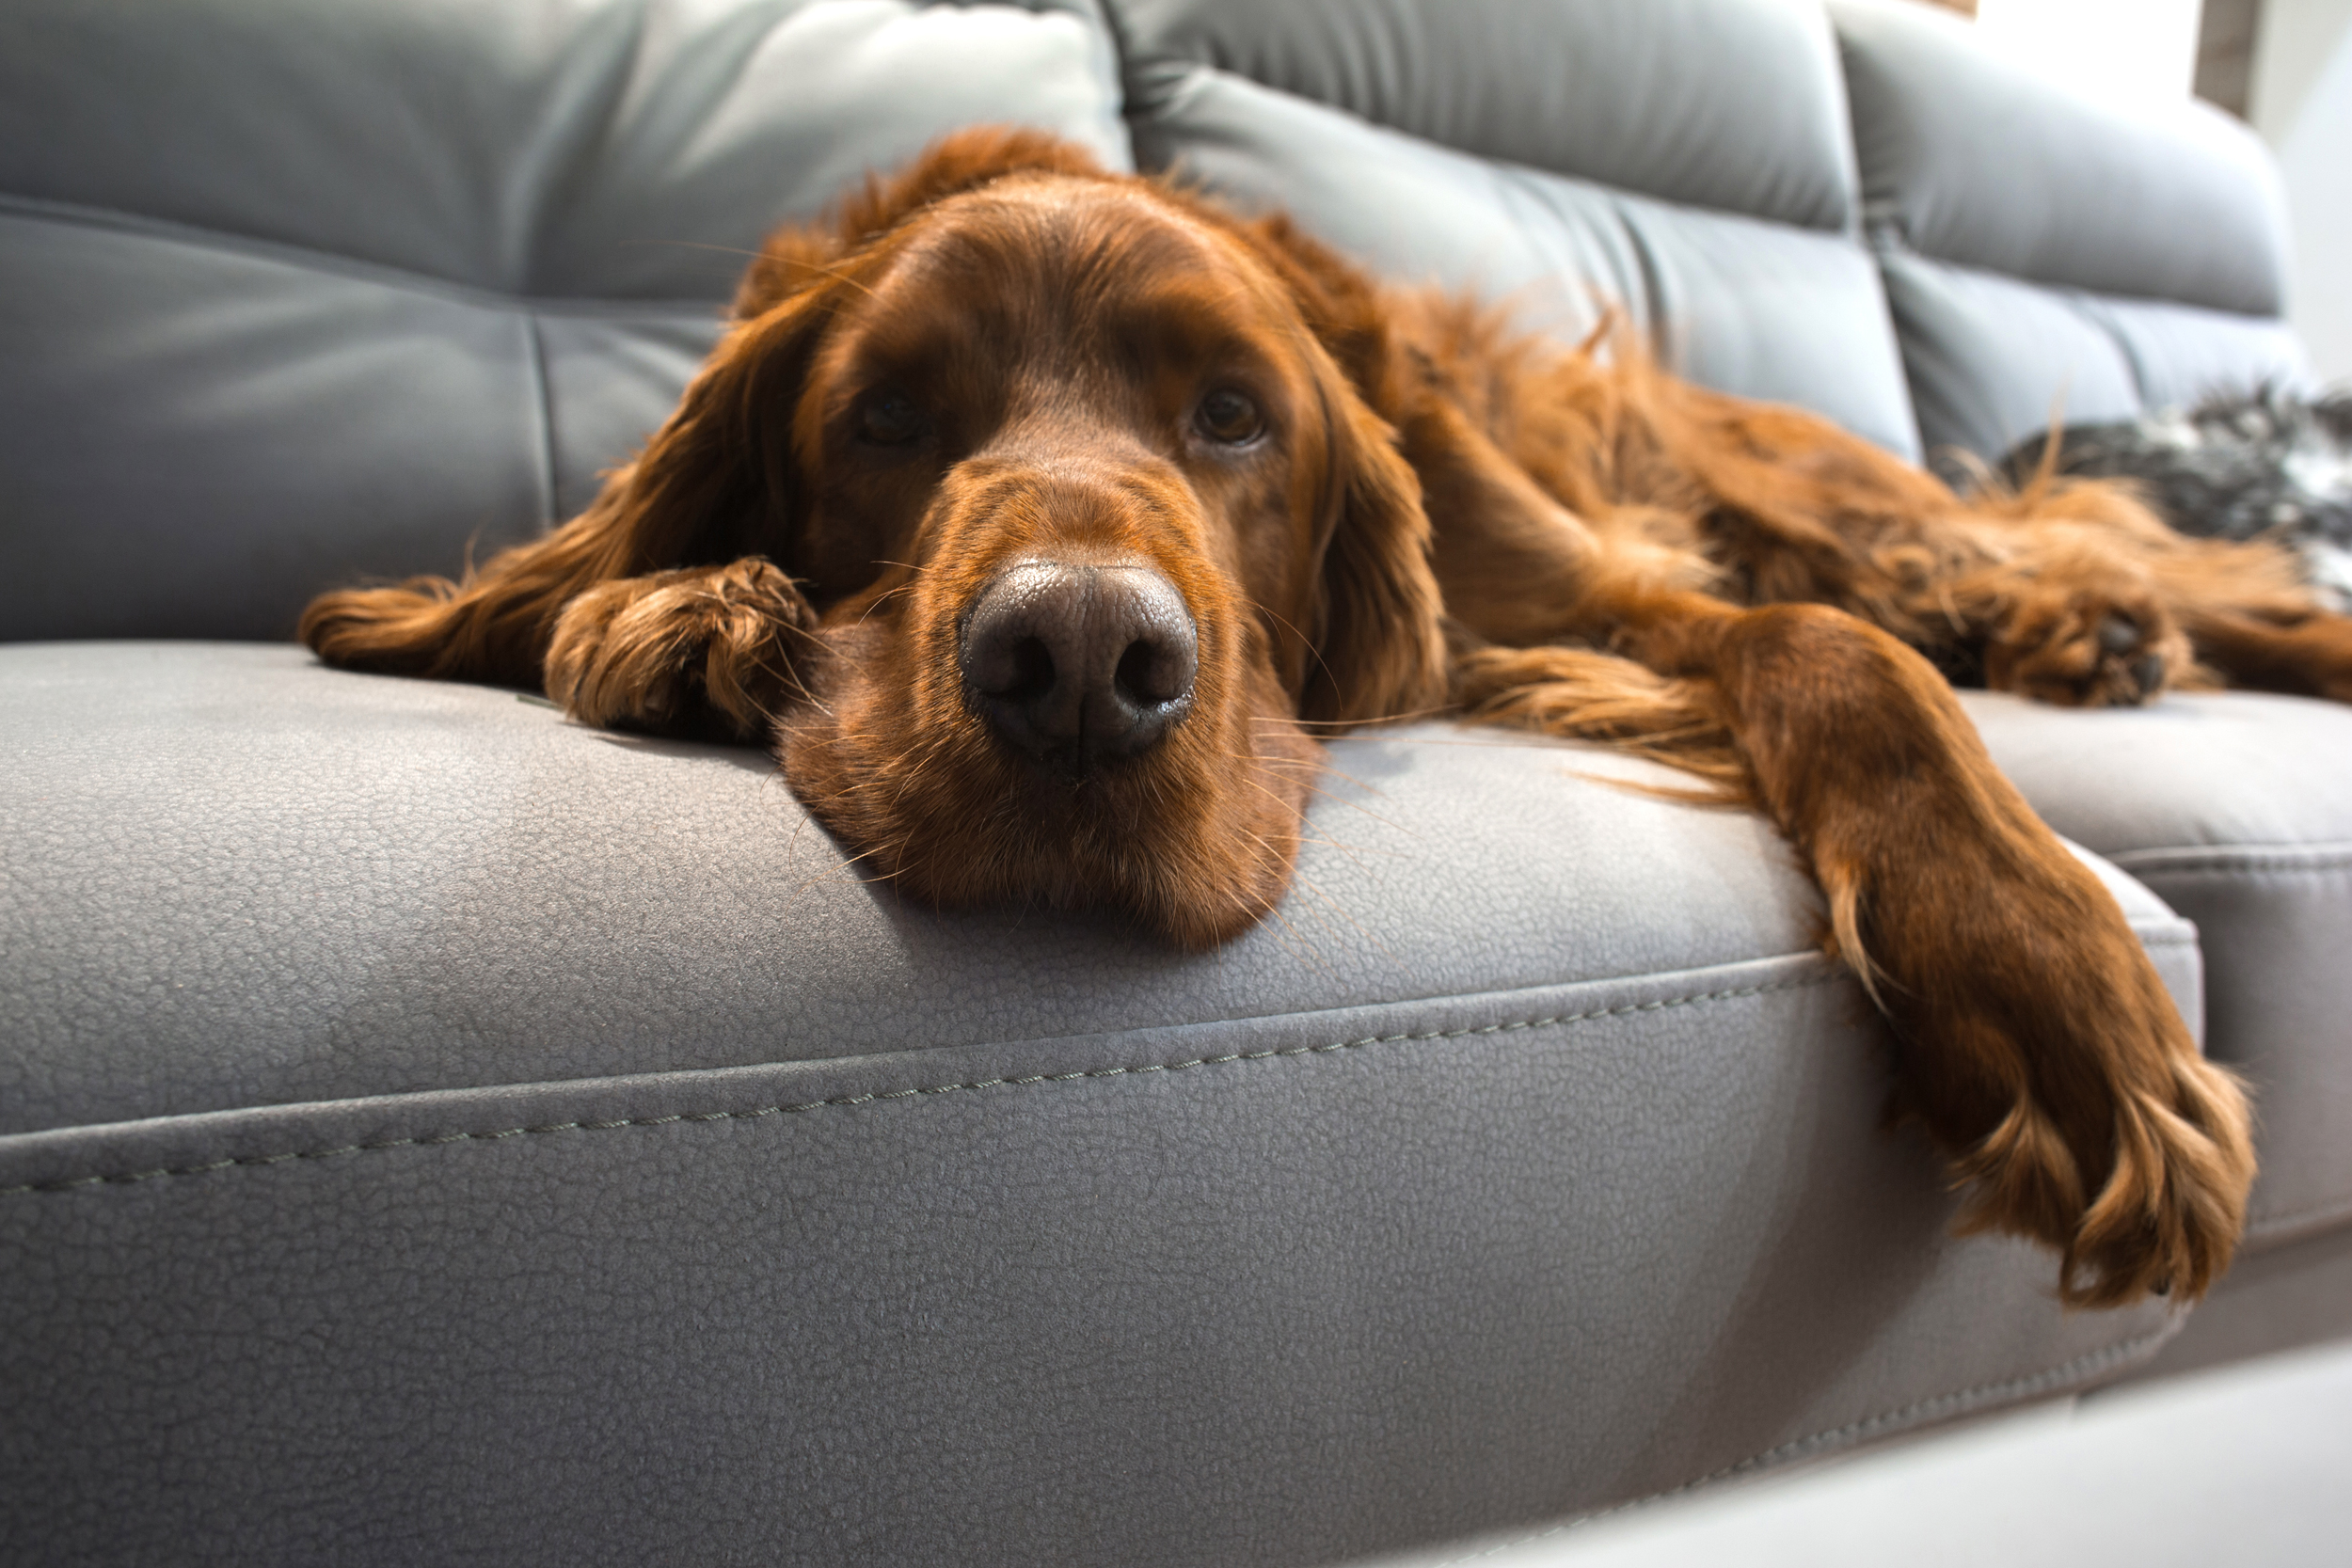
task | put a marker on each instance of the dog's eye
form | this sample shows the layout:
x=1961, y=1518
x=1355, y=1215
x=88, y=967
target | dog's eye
x=890, y=419
x=1227, y=416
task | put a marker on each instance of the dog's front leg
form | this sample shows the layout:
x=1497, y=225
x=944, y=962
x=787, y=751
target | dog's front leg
x=702, y=651
x=2035, y=1038
x=2036, y=1041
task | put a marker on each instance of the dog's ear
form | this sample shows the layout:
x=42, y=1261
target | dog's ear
x=798, y=255
x=1378, y=639
x=715, y=482
x=1378, y=646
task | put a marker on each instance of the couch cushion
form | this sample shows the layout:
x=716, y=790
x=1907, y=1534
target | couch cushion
x=304, y=292
x=1976, y=160
x=2233, y=807
x=598, y=149
x=1726, y=105
x=2049, y=256
x=434, y=1129
x=1992, y=361
x=1680, y=161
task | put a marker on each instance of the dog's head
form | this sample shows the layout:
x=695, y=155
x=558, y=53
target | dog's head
x=1092, y=518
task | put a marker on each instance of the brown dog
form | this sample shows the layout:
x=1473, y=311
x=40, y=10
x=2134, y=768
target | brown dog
x=1040, y=513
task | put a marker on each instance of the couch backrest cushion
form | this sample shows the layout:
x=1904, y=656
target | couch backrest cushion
x=2048, y=253
x=1685, y=160
x=298, y=291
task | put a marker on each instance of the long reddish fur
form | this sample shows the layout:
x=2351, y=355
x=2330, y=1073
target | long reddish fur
x=1567, y=539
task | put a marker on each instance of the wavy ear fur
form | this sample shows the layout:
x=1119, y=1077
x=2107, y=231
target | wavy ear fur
x=712, y=485
x=1379, y=649
x=1379, y=640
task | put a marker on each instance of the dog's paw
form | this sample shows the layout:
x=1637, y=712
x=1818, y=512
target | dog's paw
x=2072, y=1100
x=2154, y=1207
x=699, y=651
x=2034, y=1037
x=2082, y=647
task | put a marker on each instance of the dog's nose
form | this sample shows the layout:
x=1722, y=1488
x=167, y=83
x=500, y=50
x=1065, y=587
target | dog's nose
x=1076, y=664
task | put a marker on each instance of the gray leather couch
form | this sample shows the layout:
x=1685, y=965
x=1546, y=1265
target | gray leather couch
x=434, y=1132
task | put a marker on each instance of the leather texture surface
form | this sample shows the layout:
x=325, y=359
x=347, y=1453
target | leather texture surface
x=437, y=1131
x=2249, y=1464
x=2292, y=1295
x=1992, y=361
x=1734, y=106
x=2233, y=807
x=295, y=292
x=590, y=149
x=1274, y=1312
x=237, y=878
x=1583, y=193
x=1973, y=159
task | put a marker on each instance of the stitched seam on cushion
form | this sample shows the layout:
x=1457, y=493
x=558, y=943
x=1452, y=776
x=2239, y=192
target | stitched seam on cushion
x=2031, y=1382
x=884, y=1097
x=2157, y=863
x=292, y=253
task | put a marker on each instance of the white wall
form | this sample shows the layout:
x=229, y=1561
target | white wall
x=2301, y=102
x=2127, y=47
